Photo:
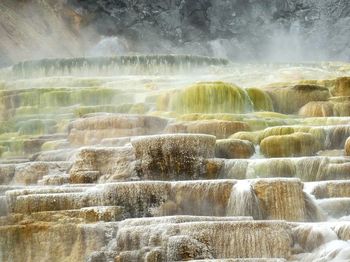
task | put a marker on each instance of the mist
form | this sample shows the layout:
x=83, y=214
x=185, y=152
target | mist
x=275, y=31
x=174, y=130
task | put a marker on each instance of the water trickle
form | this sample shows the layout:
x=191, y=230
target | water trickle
x=173, y=158
x=243, y=201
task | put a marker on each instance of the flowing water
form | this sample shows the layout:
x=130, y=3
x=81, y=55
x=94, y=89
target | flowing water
x=174, y=158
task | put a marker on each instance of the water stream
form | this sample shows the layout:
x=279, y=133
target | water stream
x=174, y=158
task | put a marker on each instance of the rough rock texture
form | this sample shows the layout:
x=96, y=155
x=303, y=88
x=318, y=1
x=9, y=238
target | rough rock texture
x=25, y=25
x=106, y=164
x=305, y=168
x=177, y=156
x=335, y=207
x=234, y=148
x=347, y=147
x=157, y=198
x=219, y=128
x=93, y=129
x=297, y=95
x=278, y=30
x=341, y=87
x=293, y=204
x=210, y=97
x=58, y=241
x=331, y=189
x=317, y=109
x=337, y=106
x=297, y=144
x=198, y=240
x=238, y=29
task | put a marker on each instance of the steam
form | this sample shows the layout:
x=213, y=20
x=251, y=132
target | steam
x=109, y=46
x=253, y=33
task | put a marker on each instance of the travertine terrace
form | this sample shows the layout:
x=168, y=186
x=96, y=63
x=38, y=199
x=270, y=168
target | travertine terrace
x=174, y=158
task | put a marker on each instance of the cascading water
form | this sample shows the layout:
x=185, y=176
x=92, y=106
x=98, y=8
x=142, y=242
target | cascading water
x=121, y=156
x=90, y=157
x=243, y=201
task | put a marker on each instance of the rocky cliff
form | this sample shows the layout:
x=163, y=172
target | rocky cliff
x=237, y=29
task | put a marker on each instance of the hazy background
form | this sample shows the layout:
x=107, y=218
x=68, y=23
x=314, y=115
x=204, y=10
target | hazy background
x=241, y=30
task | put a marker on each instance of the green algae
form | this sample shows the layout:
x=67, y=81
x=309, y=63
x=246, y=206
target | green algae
x=289, y=145
x=163, y=100
x=247, y=135
x=53, y=145
x=59, y=97
x=276, y=131
x=211, y=97
x=296, y=95
x=94, y=96
x=276, y=167
x=2, y=85
x=84, y=110
x=261, y=100
x=36, y=127
x=56, y=98
x=256, y=120
x=144, y=63
x=267, y=114
x=342, y=109
x=7, y=126
x=220, y=116
x=15, y=144
x=164, y=114
x=12, y=144
x=139, y=108
x=27, y=110
x=62, y=125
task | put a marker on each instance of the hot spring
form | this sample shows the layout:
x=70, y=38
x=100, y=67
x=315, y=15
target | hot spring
x=173, y=158
x=147, y=152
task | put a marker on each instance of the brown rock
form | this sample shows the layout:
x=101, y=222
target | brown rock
x=296, y=144
x=317, y=109
x=341, y=87
x=289, y=99
x=281, y=198
x=173, y=157
x=92, y=130
x=219, y=128
x=234, y=148
x=347, y=147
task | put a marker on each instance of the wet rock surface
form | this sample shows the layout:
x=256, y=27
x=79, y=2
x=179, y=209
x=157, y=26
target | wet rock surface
x=166, y=163
x=234, y=148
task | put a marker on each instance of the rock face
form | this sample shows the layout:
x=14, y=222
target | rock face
x=234, y=148
x=159, y=198
x=169, y=157
x=237, y=29
x=93, y=129
x=298, y=96
x=210, y=97
x=219, y=128
x=317, y=109
x=127, y=158
x=347, y=147
x=60, y=238
x=193, y=241
x=341, y=87
x=295, y=210
x=92, y=164
x=26, y=24
x=234, y=29
x=297, y=144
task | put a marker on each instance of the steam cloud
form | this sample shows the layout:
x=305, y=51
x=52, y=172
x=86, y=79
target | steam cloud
x=277, y=31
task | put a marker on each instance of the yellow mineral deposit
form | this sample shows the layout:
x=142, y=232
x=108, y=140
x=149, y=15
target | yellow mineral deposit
x=174, y=158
